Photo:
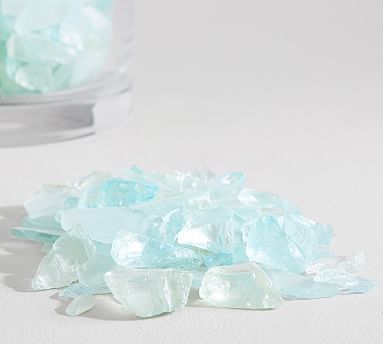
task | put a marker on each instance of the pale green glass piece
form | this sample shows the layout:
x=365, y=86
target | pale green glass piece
x=80, y=305
x=103, y=224
x=6, y=28
x=48, y=201
x=133, y=250
x=287, y=242
x=59, y=267
x=117, y=192
x=294, y=286
x=36, y=49
x=55, y=11
x=34, y=77
x=43, y=235
x=12, y=7
x=91, y=273
x=239, y=286
x=150, y=292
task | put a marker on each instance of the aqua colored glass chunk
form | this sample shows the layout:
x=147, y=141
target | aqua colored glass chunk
x=48, y=201
x=241, y=248
x=59, y=267
x=75, y=290
x=266, y=201
x=30, y=18
x=215, y=230
x=239, y=286
x=150, y=292
x=80, y=305
x=36, y=50
x=287, y=242
x=117, y=192
x=294, y=286
x=134, y=250
x=103, y=224
x=91, y=273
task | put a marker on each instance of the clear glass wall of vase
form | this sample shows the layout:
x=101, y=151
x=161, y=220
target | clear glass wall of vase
x=64, y=68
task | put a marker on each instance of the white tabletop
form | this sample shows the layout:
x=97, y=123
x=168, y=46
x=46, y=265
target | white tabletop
x=288, y=92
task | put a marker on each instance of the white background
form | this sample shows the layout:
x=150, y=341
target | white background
x=289, y=92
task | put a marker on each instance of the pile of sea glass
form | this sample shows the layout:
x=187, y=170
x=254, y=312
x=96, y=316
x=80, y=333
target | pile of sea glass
x=148, y=238
x=52, y=45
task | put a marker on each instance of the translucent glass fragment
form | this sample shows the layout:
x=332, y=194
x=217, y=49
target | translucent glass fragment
x=133, y=250
x=239, y=286
x=150, y=292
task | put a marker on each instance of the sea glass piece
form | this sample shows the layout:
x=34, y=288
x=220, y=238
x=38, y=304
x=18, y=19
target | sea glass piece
x=294, y=286
x=30, y=18
x=134, y=250
x=103, y=224
x=75, y=290
x=80, y=305
x=33, y=48
x=239, y=286
x=48, y=201
x=213, y=229
x=91, y=273
x=59, y=267
x=341, y=271
x=266, y=201
x=287, y=242
x=150, y=292
x=12, y=7
x=117, y=192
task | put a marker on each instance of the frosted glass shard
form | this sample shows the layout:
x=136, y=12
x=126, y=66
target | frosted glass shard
x=34, y=48
x=117, y=192
x=266, y=201
x=74, y=291
x=30, y=19
x=341, y=271
x=133, y=250
x=346, y=282
x=91, y=273
x=239, y=286
x=164, y=227
x=150, y=292
x=87, y=29
x=12, y=7
x=215, y=230
x=294, y=286
x=59, y=267
x=103, y=224
x=348, y=264
x=289, y=243
x=198, y=275
x=80, y=305
x=6, y=29
x=34, y=78
x=33, y=235
x=48, y=201
x=227, y=187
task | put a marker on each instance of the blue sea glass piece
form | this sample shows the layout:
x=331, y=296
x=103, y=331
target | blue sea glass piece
x=103, y=224
x=287, y=242
x=134, y=250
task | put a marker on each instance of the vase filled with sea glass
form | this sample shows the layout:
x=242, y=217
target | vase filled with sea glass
x=61, y=56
